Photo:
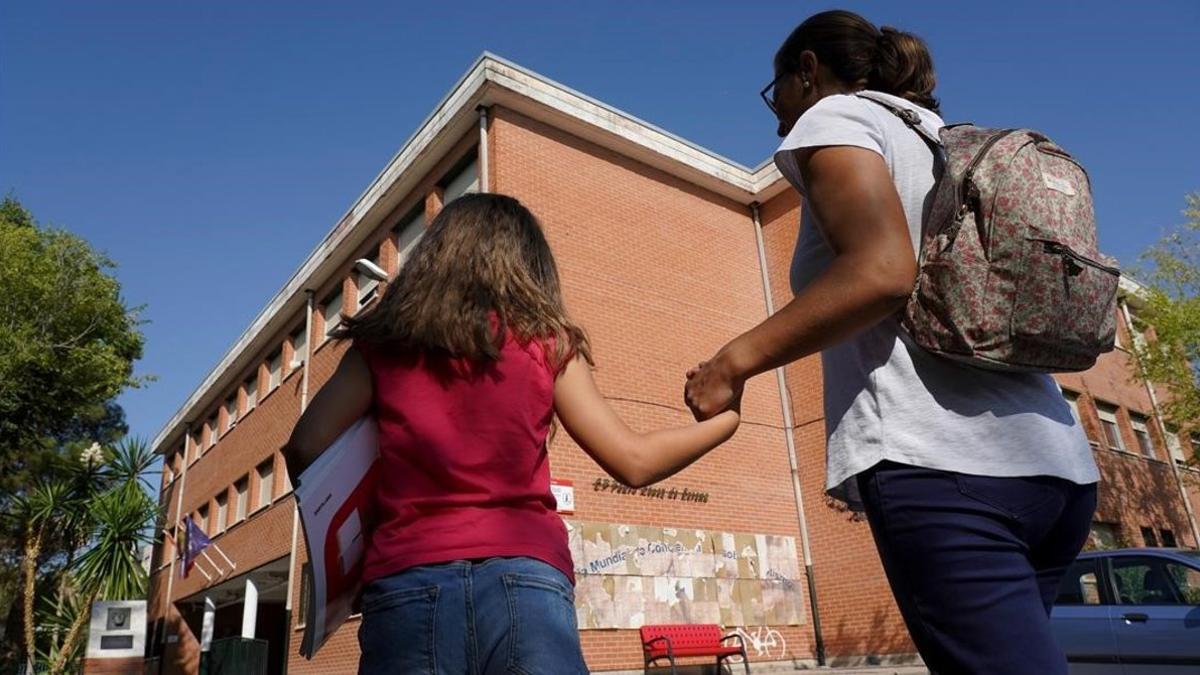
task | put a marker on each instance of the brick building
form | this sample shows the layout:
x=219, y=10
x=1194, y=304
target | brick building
x=666, y=251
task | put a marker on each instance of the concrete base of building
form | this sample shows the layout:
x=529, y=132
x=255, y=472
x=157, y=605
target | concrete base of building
x=126, y=666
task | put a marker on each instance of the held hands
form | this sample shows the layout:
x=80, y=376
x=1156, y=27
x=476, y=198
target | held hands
x=713, y=388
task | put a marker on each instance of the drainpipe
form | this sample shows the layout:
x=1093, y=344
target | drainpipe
x=789, y=438
x=291, y=582
x=187, y=440
x=1162, y=429
x=483, y=148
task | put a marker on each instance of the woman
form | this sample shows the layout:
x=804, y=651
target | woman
x=465, y=362
x=978, y=485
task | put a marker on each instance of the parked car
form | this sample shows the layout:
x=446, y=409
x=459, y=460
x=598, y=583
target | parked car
x=1131, y=611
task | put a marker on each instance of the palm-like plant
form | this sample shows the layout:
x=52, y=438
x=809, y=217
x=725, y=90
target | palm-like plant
x=38, y=511
x=101, y=503
x=112, y=568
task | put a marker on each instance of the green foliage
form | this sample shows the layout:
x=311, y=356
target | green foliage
x=1170, y=357
x=67, y=347
x=100, y=506
x=68, y=343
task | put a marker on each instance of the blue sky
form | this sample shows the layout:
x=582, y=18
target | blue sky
x=208, y=146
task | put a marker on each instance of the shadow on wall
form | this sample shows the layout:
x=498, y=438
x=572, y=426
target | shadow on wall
x=882, y=638
x=1137, y=493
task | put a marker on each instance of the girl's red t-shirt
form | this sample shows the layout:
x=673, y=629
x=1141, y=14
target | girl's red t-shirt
x=464, y=472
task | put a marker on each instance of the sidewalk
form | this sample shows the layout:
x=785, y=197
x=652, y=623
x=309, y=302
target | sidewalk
x=776, y=667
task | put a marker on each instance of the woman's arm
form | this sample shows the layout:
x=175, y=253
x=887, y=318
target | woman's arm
x=635, y=459
x=871, y=277
x=344, y=399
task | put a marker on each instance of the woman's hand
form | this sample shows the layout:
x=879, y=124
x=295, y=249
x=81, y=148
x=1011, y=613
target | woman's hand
x=713, y=387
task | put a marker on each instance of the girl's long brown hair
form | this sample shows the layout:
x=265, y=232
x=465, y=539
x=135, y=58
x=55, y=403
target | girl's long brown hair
x=483, y=269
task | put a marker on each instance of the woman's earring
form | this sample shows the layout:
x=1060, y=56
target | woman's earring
x=805, y=83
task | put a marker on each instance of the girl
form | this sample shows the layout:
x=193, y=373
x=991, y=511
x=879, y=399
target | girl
x=465, y=363
x=979, y=486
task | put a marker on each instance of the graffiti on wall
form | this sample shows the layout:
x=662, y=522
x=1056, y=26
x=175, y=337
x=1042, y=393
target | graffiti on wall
x=631, y=575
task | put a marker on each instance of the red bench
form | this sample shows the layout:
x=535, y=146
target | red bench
x=674, y=641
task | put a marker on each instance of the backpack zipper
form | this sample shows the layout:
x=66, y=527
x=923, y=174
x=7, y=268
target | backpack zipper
x=974, y=164
x=1066, y=252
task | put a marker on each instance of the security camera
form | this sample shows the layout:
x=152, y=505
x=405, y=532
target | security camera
x=370, y=269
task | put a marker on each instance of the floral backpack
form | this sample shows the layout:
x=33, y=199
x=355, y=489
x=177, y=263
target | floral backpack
x=1010, y=273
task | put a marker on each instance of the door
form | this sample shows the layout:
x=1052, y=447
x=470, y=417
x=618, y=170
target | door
x=1157, y=621
x=1081, y=621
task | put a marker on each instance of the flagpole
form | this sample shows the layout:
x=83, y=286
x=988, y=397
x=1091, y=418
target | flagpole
x=231, y=564
x=200, y=567
x=220, y=570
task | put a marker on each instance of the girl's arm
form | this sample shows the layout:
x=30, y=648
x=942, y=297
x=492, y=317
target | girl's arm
x=341, y=402
x=635, y=459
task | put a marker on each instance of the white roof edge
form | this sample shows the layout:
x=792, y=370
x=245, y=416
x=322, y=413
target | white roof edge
x=652, y=132
x=488, y=68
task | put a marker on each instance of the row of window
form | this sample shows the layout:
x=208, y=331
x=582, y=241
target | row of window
x=1105, y=536
x=216, y=516
x=1110, y=418
x=365, y=288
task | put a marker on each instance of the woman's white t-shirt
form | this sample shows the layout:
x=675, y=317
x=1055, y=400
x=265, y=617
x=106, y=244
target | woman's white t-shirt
x=886, y=400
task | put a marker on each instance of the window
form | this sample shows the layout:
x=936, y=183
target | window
x=202, y=519
x=1108, y=420
x=230, y=411
x=198, y=441
x=461, y=182
x=1142, y=433
x=222, y=511
x=1149, y=536
x=274, y=370
x=1103, y=536
x=251, y=387
x=1072, y=400
x=1168, y=538
x=241, y=491
x=332, y=311
x=1146, y=580
x=408, y=232
x=211, y=427
x=168, y=475
x=367, y=285
x=1080, y=585
x=299, y=341
x=1174, y=447
x=305, y=593
x=266, y=483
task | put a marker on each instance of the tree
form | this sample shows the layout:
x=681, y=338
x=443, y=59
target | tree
x=68, y=343
x=67, y=347
x=1170, y=307
x=37, y=512
x=103, y=501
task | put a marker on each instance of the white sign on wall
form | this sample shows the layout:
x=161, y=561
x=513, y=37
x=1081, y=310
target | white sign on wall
x=117, y=629
x=564, y=495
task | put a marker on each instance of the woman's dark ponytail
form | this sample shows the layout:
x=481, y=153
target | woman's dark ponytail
x=903, y=67
x=861, y=55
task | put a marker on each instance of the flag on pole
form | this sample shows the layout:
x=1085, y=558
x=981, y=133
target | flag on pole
x=195, y=541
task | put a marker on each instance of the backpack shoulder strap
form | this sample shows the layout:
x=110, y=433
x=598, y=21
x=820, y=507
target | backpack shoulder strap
x=911, y=119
